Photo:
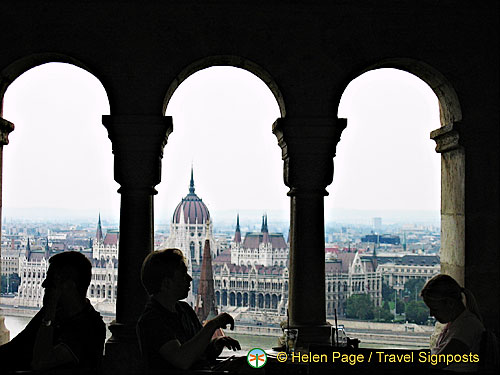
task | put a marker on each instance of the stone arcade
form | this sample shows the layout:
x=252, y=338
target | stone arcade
x=306, y=53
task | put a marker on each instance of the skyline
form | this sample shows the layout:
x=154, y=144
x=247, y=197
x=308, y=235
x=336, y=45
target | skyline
x=220, y=115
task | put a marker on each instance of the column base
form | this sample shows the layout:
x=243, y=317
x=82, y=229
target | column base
x=4, y=332
x=317, y=335
x=121, y=353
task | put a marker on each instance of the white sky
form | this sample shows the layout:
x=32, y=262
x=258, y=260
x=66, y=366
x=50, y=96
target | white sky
x=59, y=155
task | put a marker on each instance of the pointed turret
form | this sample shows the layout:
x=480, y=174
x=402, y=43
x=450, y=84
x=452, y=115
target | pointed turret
x=205, y=302
x=264, y=230
x=237, y=233
x=28, y=250
x=191, y=183
x=98, y=234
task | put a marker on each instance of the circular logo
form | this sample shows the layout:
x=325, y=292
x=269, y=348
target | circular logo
x=257, y=358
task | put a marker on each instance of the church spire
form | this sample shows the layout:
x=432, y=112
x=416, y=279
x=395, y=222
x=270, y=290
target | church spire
x=205, y=302
x=28, y=250
x=191, y=183
x=237, y=233
x=99, y=230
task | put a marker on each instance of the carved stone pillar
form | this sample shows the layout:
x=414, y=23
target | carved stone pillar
x=138, y=143
x=452, y=200
x=5, y=128
x=308, y=147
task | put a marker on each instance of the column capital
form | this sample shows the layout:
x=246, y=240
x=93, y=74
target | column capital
x=308, y=147
x=138, y=142
x=447, y=138
x=5, y=128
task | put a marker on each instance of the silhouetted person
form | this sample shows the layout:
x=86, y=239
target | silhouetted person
x=169, y=332
x=464, y=328
x=67, y=332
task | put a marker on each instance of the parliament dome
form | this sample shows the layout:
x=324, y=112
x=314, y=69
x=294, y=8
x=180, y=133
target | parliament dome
x=191, y=209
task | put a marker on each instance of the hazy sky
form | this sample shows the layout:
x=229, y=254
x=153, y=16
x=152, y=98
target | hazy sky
x=59, y=155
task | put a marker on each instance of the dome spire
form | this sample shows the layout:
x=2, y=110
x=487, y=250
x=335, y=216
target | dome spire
x=191, y=183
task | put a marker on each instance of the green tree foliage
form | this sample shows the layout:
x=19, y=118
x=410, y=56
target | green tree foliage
x=417, y=312
x=400, y=306
x=387, y=292
x=382, y=315
x=13, y=284
x=359, y=306
x=4, y=284
x=413, y=288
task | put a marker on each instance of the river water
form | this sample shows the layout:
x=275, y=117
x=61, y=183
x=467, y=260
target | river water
x=16, y=324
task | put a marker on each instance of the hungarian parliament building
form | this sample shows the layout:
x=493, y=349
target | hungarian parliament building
x=250, y=275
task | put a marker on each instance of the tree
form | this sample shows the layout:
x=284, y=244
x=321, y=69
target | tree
x=417, y=312
x=359, y=306
x=387, y=292
x=413, y=288
x=4, y=284
x=382, y=314
x=400, y=306
x=14, y=281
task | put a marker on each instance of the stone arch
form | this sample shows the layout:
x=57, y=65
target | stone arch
x=226, y=60
x=22, y=65
x=232, y=299
x=452, y=158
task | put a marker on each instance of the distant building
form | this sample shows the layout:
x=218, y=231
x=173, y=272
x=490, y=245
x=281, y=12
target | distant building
x=189, y=228
x=349, y=273
x=397, y=269
x=34, y=263
x=377, y=223
x=254, y=276
x=382, y=239
x=264, y=248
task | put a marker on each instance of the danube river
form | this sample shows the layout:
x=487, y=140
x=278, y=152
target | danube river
x=16, y=324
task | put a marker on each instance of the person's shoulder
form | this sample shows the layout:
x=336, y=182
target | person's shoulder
x=184, y=305
x=468, y=318
x=152, y=311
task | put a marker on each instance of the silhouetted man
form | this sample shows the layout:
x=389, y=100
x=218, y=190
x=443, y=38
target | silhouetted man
x=67, y=332
x=170, y=334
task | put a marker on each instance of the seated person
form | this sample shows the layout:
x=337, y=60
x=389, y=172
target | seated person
x=169, y=332
x=464, y=328
x=67, y=332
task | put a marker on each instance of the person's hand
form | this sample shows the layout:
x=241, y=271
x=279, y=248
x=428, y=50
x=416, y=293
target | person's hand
x=50, y=300
x=226, y=342
x=222, y=320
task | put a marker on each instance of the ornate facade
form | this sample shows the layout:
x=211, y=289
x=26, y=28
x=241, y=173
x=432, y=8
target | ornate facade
x=347, y=274
x=396, y=270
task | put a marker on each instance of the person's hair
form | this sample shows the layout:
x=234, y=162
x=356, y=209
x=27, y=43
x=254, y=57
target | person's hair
x=158, y=265
x=444, y=286
x=80, y=269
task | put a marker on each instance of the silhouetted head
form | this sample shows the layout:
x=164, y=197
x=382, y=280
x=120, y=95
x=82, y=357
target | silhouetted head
x=69, y=266
x=166, y=270
x=443, y=295
x=442, y=286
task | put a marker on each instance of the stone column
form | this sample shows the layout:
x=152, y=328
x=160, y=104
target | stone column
x=5, y=128
x=452, y=200
x=138, y=143
x=308, y=147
